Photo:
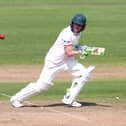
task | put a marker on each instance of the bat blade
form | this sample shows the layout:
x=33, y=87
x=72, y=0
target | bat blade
x=98, y=51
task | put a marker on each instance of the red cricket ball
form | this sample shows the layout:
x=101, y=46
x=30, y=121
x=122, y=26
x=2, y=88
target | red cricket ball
x=2, y=36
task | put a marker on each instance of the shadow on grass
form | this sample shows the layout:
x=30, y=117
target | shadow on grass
x=84, y=104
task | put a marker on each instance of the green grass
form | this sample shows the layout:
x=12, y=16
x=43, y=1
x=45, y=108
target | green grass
x=61, y=1
x=32, y=26
x=109, y=89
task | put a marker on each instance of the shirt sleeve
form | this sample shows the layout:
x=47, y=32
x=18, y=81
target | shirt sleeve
x=66, y=37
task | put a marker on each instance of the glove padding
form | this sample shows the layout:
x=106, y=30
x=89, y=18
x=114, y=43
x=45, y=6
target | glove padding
x=82, y=48
x=83, y=51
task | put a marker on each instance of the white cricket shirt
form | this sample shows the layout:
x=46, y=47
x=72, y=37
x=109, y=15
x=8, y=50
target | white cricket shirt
x=56, y=53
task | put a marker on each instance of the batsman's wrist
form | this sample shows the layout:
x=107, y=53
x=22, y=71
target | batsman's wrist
x=79, y=51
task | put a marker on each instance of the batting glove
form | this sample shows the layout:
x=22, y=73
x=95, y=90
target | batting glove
x=82, y=48
x=83, y=53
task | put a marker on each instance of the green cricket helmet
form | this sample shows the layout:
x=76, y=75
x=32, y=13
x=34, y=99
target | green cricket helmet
x=79, y=19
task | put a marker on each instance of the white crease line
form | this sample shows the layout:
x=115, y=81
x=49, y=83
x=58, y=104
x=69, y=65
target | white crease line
x=70, y=115
x=6, y=95
x=67, y=114
x=53, y=110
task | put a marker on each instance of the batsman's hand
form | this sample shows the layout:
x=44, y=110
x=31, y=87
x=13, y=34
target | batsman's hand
x=83, y=54
x=82, y=47
x=84, y=50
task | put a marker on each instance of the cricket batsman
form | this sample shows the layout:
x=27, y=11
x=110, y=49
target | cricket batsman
x=61, y=57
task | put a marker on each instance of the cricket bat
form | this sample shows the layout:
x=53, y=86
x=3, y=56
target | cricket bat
x=96, y=51
x=99, y=51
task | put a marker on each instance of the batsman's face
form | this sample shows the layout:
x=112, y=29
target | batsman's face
x=77, y=28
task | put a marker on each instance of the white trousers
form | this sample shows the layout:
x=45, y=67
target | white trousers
x=50, y=70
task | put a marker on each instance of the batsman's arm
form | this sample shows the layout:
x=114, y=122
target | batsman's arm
x=70, y=52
